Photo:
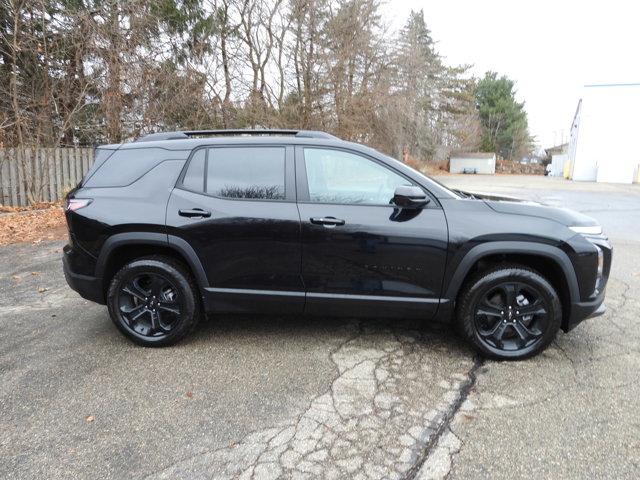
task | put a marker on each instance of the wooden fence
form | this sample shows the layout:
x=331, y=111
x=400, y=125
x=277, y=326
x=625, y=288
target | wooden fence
x=30, y=175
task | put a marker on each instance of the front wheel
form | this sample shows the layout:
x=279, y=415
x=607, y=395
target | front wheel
x=153, y=301
x=509, y=312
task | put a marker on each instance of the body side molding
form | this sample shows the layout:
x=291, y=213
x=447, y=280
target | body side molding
x=382, y=298
x=248, y=291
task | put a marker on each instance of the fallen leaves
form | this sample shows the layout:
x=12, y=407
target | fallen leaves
x=35, y=225
x=35, y=206
x=42, y=289
x=89, y=418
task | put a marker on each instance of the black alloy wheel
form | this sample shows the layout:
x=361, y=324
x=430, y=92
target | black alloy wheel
x=150, y=305
x=511, y=316
x=509, y=312
x=154, y=301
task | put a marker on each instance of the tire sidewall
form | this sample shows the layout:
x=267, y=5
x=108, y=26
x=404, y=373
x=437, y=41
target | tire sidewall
x=478, y=288
x=179, y=281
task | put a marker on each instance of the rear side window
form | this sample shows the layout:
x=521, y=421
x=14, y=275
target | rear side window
x=126, y=166
x=238, y=172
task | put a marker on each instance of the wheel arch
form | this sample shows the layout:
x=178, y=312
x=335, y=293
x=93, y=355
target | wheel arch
x=122, y=248
x=549, y=260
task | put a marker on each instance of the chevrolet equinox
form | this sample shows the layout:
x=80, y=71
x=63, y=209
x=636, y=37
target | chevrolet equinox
x=175, y=225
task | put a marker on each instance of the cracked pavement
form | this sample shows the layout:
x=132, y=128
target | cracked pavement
x=572, y=412
x=248, y=397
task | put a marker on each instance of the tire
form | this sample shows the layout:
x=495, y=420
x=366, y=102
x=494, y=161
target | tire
x=154, y=301
x=484, y=319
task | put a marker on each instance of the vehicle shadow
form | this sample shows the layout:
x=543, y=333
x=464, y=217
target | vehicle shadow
x=330, y=330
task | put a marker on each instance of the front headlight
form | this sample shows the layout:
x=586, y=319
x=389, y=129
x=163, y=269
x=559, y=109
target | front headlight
x=593, y=230
x=593, y=234
x=600, y=260
x=600, y=270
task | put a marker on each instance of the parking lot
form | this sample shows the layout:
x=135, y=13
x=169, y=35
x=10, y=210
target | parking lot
x=254, y=397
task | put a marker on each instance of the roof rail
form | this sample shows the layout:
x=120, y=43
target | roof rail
x=181, y=135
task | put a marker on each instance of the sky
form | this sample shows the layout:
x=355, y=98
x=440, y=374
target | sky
x=550, y=48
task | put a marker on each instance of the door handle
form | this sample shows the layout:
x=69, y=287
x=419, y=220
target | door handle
x=327, y=221
x=194, y=213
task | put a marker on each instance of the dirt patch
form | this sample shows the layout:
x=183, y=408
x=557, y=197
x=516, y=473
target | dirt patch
x=33, y=225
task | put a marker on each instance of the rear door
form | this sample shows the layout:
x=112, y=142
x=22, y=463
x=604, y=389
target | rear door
x=235, y=205
x=360, y=254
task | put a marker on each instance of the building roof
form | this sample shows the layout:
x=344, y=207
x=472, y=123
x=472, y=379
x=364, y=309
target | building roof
x=473, y=155
x=612, y=85
x=556, y=149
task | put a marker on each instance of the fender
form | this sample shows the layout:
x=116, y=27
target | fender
x=152, y=238
x=529, y=248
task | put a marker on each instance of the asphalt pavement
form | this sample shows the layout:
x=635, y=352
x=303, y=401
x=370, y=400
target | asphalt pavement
x=264, y=397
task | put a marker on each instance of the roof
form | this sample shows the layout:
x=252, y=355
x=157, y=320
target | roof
x=612, y=85
x=191, y=143
x=186, y=134
x=189, y=139
x=473, y=155
x=556, y=149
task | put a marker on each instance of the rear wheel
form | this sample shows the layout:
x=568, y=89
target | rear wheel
x=154, y=301
x=509, y=312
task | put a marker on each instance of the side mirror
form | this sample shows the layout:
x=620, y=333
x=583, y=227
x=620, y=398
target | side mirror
x=410, y=196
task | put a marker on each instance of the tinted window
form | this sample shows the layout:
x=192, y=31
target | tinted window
x=334, y=176
x=194, y=176
x=127, y=165
x=246, y=172
x=100, y=156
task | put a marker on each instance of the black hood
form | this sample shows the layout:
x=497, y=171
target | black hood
x=516, y=206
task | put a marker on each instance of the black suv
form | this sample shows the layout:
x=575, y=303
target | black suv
x=177, y=224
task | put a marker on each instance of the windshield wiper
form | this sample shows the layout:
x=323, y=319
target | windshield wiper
x=465, y=194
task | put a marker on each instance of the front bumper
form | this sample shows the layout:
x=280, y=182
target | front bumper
x=87, y=286
x=584, y=259
x=583, y=310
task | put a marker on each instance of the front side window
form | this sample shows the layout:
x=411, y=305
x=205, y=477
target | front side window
x=246, y=172
x=334, y=176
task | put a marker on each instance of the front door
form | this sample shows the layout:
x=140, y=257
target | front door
x=360, y=254
x=235, y=205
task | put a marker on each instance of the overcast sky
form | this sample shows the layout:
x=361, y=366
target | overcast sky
x=551, y=48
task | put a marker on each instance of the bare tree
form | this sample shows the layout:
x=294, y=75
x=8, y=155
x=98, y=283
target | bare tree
x=96, y=71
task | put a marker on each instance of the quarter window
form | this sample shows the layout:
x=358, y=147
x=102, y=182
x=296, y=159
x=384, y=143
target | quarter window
x=334, y=176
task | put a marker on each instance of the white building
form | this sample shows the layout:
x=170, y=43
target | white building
x=603, y=145
x=474, y=162
x=558, y=162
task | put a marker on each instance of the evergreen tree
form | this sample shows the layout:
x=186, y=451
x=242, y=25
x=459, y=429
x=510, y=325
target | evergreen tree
x=504, y=120
x=434, y=97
